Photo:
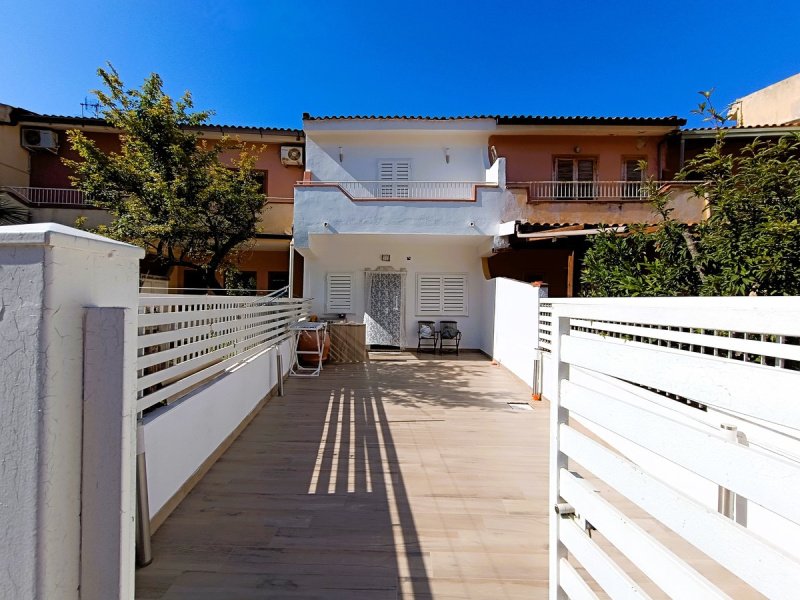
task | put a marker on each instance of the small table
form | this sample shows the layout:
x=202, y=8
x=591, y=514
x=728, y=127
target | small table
x=317, y=328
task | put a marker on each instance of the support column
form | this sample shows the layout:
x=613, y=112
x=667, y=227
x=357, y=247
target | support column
x=49, y=275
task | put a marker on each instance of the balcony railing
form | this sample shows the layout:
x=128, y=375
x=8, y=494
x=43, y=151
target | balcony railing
x=406, y=190
x=587, y=190
x=49, y=196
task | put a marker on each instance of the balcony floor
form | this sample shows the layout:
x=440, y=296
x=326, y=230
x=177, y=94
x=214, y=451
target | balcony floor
x=408, y=477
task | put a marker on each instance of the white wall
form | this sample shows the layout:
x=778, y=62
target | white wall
x=49, y=274
x=364, y=143
x=361, y=152
x=180, y=437
x=516, y=326
x=429, y=254
x=315, y=206
x=775, y=104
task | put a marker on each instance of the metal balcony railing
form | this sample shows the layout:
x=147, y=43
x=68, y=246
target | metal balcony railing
x=588, y=190
x=410, y=190
x=49, y=196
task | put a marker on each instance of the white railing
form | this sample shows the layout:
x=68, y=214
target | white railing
x=186, y=340
x=675, y=420
x=410, y=190
x=54, y=196
x=588, y=190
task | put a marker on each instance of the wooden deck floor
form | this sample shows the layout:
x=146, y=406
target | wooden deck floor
x=403, y=478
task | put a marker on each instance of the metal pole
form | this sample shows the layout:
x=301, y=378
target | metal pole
x=291, y=269
x=279, y=360
x=726, y=499
x=144, y=550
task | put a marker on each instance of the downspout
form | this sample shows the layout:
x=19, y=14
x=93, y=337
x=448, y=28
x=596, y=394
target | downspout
x=291, y=268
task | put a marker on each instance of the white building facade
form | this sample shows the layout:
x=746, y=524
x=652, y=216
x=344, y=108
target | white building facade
x=393, y=219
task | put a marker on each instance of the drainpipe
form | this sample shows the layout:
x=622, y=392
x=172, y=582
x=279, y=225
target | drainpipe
x=291, y=268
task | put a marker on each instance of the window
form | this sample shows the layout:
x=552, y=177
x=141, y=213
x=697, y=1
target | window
x=277, y=280
x=394, y=172
x=261, y=177
x=339, y=293
x=575, y=177
x=632, y=177
x=441, y=294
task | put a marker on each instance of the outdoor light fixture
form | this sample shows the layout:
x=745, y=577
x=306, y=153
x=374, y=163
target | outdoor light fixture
x=341, y=154
x=577, y=149
x=447, y=155
x=386, y=257
x=325, y=224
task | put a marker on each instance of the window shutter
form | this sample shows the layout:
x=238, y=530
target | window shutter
x=454, y=295
x=429, y=294
x=585, y=170
x=339, y=293
x=632, y=171
x=563, y=169
x=441, y=294
x=392, y=171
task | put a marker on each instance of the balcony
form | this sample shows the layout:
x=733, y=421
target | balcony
x=585, y=191
x=49, y=197
x=463, y=191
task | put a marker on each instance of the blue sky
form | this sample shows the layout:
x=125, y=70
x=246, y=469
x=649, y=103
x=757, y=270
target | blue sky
x=265, y=62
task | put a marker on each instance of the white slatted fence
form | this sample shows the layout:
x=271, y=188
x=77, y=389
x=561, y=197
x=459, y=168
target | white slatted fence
x=642, y=387
x=185, y=340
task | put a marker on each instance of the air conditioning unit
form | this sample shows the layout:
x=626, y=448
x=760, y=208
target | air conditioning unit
x=40, y=139
x=292, y=155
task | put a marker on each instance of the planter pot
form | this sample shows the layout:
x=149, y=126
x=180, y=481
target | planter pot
x=307, y=341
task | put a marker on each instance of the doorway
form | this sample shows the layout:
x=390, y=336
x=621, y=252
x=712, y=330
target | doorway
x=385, y=308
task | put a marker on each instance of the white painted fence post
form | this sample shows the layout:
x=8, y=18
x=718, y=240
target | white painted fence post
x=49, y=275
x=558, y=460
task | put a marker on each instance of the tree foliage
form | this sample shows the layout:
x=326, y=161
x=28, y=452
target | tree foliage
x=750, y=244
x=166, y=188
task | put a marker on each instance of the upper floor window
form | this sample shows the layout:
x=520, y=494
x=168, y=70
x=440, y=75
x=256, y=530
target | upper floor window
x=394, y=173
x=575, y=177
x=632, y=177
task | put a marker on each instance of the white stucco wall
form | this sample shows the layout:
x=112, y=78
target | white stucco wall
x=180, y=437
x=429, y=254
x=49, y=274
x=775, y=104
x=516, y=326
x=361, y=152
x=362, y=144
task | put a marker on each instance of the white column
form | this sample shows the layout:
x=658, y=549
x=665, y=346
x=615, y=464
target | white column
x=49, y=275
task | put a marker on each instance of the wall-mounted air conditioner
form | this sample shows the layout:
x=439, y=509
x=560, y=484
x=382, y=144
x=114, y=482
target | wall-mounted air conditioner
x=292, y=155
x=40, y=139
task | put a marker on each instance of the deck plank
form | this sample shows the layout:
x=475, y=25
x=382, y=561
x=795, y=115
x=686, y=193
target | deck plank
x=424, y=484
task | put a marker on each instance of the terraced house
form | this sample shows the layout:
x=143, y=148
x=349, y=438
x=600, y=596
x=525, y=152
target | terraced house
x=33, y=176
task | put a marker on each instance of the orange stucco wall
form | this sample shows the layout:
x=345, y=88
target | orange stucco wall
x=48, y=170
x=530, y=157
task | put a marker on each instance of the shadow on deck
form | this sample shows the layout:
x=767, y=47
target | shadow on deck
x=403, y=478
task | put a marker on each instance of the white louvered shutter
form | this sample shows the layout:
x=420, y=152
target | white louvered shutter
x=429, y=294
x=393, y=172
x=454, y=294
x=442, y=294
x=339, y=293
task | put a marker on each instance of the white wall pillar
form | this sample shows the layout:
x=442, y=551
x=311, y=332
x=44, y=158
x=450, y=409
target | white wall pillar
x=49, y=275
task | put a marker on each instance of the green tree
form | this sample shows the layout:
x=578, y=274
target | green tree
x=166, y=189
x=11, y=213
x=749, y=244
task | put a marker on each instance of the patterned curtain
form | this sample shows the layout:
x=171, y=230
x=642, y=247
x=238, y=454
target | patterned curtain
x=385, y=308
